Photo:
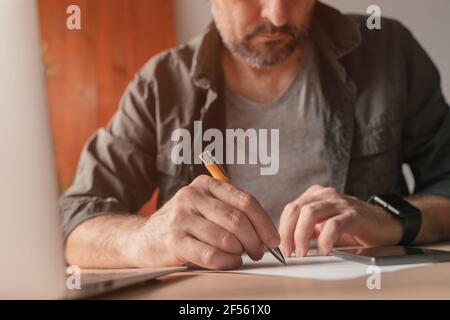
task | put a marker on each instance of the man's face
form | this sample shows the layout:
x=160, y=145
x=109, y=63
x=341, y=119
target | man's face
x=262, y=32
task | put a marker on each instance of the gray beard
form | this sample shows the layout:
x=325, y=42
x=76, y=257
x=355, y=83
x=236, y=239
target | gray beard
x=259, y=60
x=244, y=50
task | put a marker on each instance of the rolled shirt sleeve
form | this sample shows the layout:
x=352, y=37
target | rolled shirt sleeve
x=116, y=171
x=426, y=133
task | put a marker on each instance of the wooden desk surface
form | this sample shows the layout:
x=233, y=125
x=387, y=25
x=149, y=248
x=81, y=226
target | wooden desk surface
x=430, y=282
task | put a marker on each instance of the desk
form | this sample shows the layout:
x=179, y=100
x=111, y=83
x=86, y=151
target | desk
x=430, y=282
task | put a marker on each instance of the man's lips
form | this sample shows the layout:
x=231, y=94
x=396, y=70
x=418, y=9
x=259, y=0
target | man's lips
x=272, y=36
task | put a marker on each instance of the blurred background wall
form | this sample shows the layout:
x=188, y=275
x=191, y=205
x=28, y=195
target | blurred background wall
x=87, y=70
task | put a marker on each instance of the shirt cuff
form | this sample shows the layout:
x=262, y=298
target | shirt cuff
x=76, y=210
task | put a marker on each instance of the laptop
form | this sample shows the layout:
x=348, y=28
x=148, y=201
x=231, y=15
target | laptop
x=31, y=244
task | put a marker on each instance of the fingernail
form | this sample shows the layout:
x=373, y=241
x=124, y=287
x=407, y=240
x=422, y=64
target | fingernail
x=302, y=252
x=286, y=254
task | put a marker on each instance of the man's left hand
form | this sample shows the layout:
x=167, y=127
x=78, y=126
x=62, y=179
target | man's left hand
x=332, y=218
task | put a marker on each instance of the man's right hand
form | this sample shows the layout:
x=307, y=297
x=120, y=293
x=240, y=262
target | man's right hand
x=209, y=223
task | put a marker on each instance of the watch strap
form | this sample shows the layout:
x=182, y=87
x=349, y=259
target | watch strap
x=409, y=216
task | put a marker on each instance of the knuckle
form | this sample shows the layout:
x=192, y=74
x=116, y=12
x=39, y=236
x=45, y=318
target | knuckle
x=353, y=212
x=236, y=219
x=330, y=191
x=335, y=225
x=210, y=257
x=292, y=208
x=176, y=217
x=308, y=211
x=201, y=180
x=246, y=200
x=315, y=187
x=287, y=207
x=228, y=241
x=210, y=182
x=186, y=193
x=352, y=217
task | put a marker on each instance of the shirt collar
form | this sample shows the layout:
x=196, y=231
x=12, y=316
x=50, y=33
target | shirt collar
x=206, y=70
x=336, y=34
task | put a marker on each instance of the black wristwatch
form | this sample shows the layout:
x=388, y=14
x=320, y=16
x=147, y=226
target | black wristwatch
x=409, y=216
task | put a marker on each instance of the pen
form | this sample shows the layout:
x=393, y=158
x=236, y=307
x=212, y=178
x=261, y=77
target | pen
x=218, y=173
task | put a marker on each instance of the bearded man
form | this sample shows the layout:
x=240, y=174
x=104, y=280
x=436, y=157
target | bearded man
x=352, y=105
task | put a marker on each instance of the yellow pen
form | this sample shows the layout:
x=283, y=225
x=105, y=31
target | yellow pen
x=216, y=171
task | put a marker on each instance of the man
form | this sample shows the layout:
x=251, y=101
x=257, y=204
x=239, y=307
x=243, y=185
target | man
x=351, y=106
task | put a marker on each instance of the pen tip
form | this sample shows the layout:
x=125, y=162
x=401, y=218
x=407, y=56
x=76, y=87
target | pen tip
x=280, y=253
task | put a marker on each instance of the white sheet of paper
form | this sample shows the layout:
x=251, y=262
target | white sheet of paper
x=313, y=267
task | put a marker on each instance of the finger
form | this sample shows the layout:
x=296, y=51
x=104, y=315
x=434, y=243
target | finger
x=290, y=215
x=206, y=256
x=317, y=228
x=318, y=193
x=246, y=204
x=288, y=221
x=231, y=220
x=213, y=235
x=332, y=231
x=310, y=215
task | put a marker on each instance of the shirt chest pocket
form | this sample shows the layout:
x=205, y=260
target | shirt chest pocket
x=375, y=164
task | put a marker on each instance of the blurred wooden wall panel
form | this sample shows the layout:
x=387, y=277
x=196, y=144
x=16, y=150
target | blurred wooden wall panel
x=88, y=69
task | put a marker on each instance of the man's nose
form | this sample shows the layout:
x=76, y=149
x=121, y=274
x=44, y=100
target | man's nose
x=276, y=11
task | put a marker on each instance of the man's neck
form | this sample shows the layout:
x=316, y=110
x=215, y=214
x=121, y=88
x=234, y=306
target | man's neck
x=262, y=85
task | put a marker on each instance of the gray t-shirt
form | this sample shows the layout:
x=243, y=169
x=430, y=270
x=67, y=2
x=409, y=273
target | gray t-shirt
x=298, y=116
